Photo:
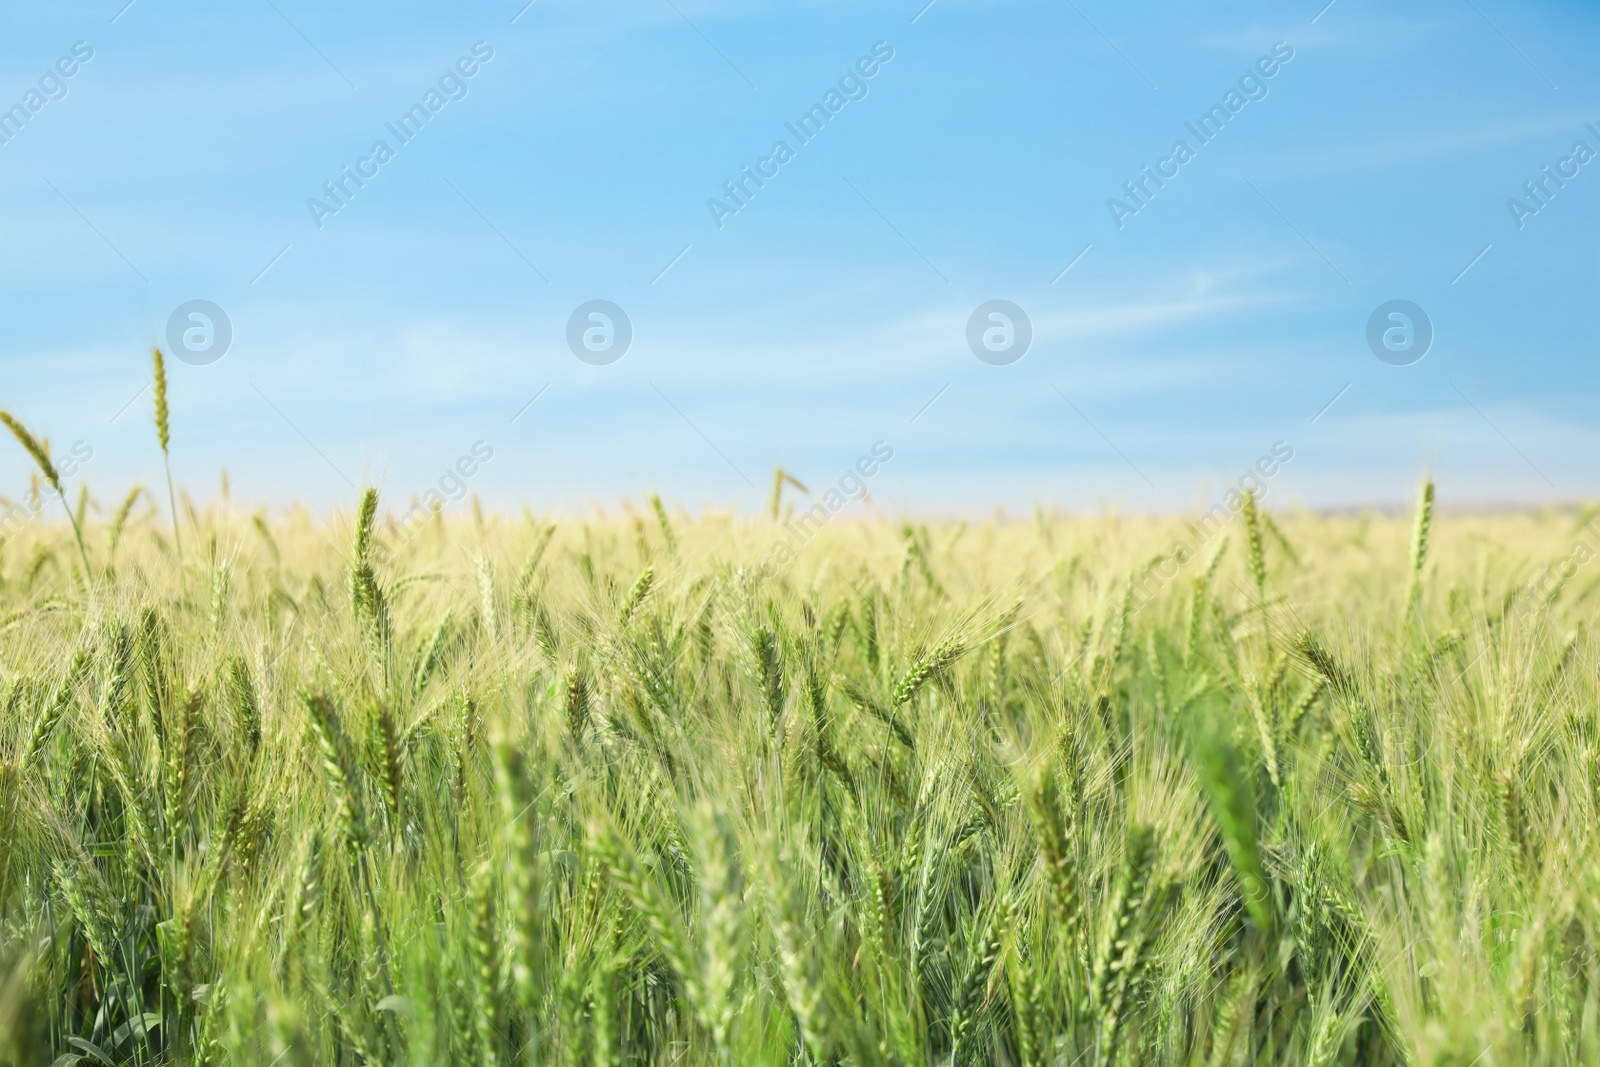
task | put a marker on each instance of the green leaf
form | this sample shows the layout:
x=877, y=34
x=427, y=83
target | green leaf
x=92, y=1049
x=138, y=1026
x=394, y=1002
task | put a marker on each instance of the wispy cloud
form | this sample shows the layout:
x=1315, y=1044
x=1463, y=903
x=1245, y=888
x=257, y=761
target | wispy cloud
x=1429, y=144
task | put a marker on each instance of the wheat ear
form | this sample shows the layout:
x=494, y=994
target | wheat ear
x=1257, y=554
x=930, y=663
x=667, y=535
x=164, y=435
x=779, y=476
x=120, y=521
x=637, y=595
x=41, y=456
x=969, y=995
x=1419, y=546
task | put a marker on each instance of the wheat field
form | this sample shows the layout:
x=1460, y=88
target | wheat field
x=279, y=789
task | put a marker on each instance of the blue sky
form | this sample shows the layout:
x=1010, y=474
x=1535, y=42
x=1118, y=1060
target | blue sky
x=1219, y=319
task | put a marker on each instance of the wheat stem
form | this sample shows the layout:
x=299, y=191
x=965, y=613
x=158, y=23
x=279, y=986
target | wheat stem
x=41, y=457
x=163, y=434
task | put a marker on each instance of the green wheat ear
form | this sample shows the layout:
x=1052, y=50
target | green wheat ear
x=120, y=521
x=34, y=449
x=1257, y=553
x=164, y=435
x=41, y=456
x=366, y=516
x=1419, y=546
x=779, y=476
x=666, y=525
x=161, y=400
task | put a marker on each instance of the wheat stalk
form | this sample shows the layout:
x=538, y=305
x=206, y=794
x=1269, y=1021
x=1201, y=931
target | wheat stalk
x=980, y=964
x=1125, y=947
x=1419, y=547
x=391, y=778
x=636, y=595
x=1253, y=544
x=368, y=600
x=432, y=652
x=576, y=703
x=1055, y=844
x=779, y=476
x=486, y=961
x=487, y=607
x=120, y=520
x=181, y=742
x=246, y=706
x=926, y=666
x=767, y=672
x=164, y=435
x=338, y=766
x=41, y=457
x=670, y=538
